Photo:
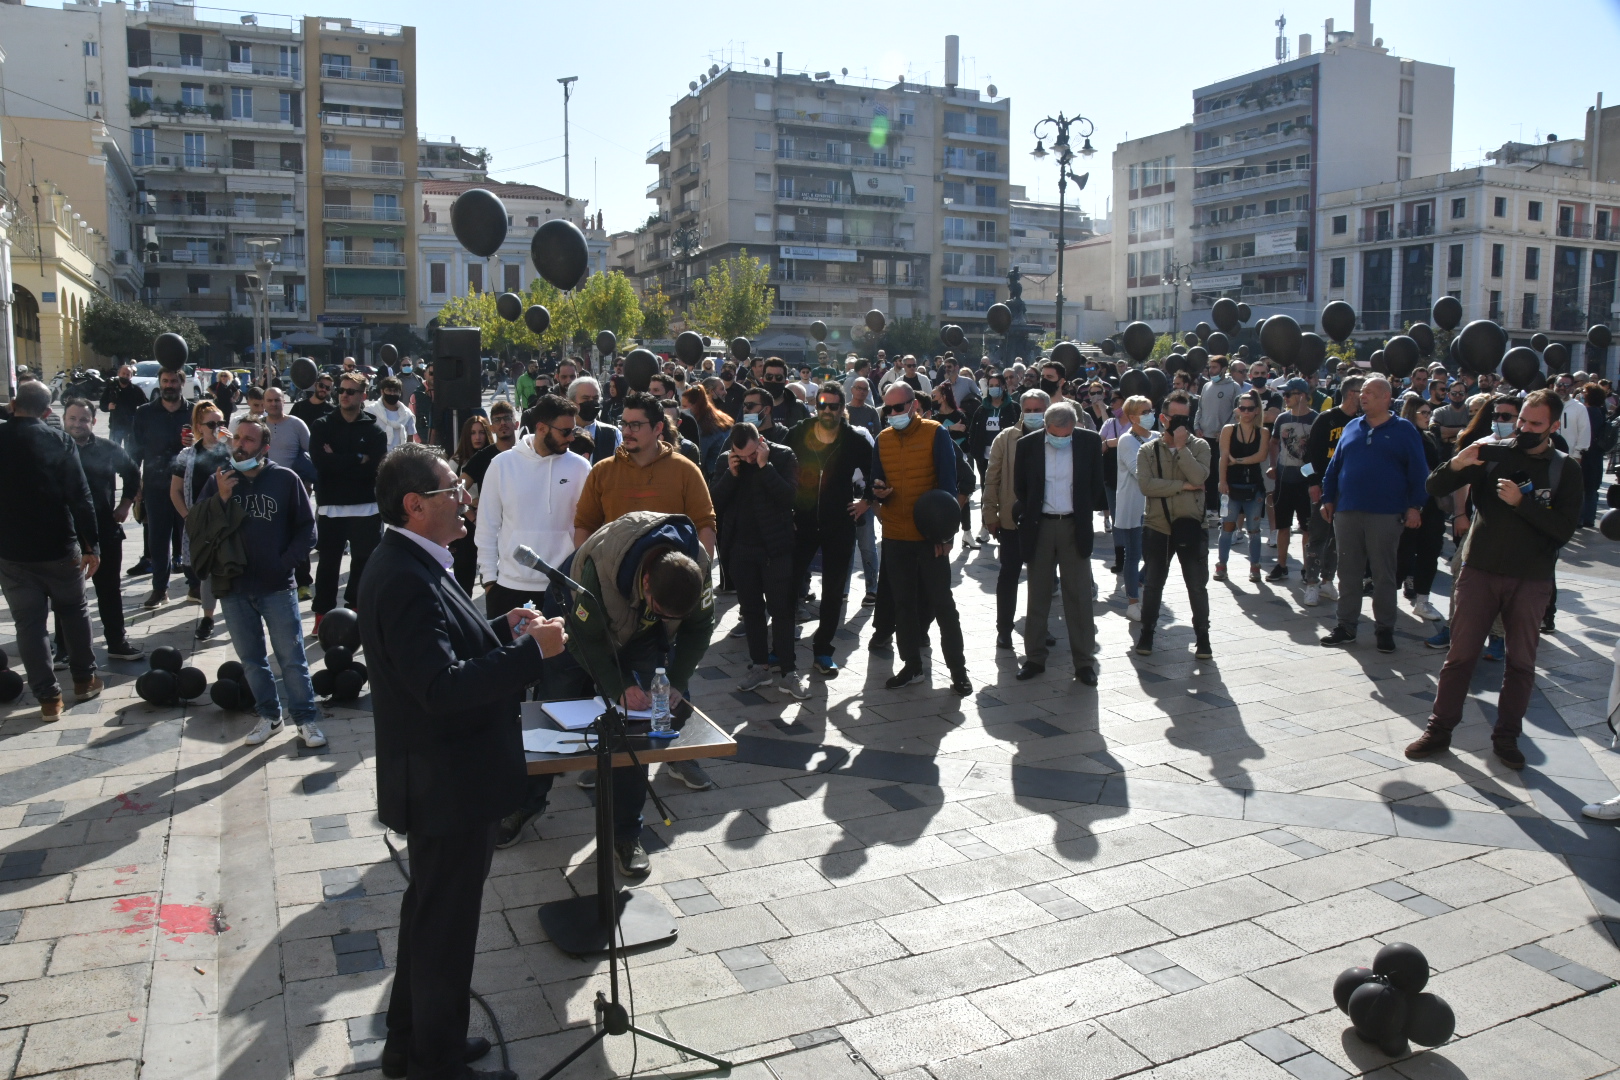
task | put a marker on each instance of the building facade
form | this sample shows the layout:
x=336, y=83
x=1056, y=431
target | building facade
x=1032, y=239
x=1152, y=247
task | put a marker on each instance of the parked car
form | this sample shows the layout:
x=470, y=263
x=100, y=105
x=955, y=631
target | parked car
x=146, y=377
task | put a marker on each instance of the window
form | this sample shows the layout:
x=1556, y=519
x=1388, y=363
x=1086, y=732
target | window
x=1341, y=224
x=1403, y=168
x=475, y=277
x=984, y=265
x=335, y=65
x=911, y=193
x=984, y=195
x=1530, y=322
x=91, y=49
x=762, y=223
x=191, y=50
x=762, y=102
x=952, y=261
x=92, y=97
x=1500, y=209
x=1135, y=182
x=385, y=207
x=196, y=144
x=191, y=94
x=197, y=284
x=1459, y=209
x=1532, y=262
x=955, y=193
x=241, y=103
x=1130, y=267
x=1498, y=257
x=1495, y=312
x=1336, y=274
x=144, y=145
x=1403, y=136
x=908, y=119
x=140, y=90
x=955, y=228
x=784, y=187
x=1535, y=211
x=984, y=231
x=988, y=125
x=1454, y=259
x=197, y=203
x=703, y=152
x=762, y=181
x=1407, y=89
x=511, y=272
x=337, y=159
x=762, y=140
x=956, y=123
x=286, y=112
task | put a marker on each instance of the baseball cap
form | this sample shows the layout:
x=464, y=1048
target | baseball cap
x=1296, y=386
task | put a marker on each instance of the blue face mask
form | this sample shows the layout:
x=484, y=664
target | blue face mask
x=246, y=466
x=1502, y=429
x=406, y=369
x=751, y=418
x=1059, y=442
x=996, y=391
x=1034, y=421
x=900, y=422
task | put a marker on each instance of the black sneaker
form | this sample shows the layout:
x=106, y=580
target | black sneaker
x=587, y=779
x=869, y=600
x=631, y=859
x=123, y=650
x=1278, y=573
x=153, y=600
x=1508, y=752
x=511, y=829
x=905, y=677
x=1202, y=651
x=140, y=569
x=1340, y=636
x=1547, y=626
x=880, y=643
x=1144, y=645
x=961, y=685
x=205, y=628
x=1385, y=639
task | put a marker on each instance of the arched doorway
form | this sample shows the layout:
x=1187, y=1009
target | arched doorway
x=25, y=326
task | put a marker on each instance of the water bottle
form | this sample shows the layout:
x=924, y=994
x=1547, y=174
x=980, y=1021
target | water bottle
x=660, y=706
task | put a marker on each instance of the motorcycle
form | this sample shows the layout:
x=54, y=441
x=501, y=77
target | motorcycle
x=87, y=383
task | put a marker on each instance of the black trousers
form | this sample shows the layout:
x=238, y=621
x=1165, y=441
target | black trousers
x=438, y=931
x=1156, y=570
x=913, y=572
x=465, y=555
x=361, y=535
x=108, y=580
x=1418, y=557
x=1012, y=568
x=837, y=549
x=765, y=591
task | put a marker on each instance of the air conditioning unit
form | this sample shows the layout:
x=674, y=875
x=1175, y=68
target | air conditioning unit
x=164, y=159
x=362, y=47
x=804, y=211
x=327, y=136
x=215, y=89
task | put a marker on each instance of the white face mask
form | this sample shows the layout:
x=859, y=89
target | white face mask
x=1147, y=420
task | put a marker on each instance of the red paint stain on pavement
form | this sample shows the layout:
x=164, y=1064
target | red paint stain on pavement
x=131, y=870
x=127, y=802
x=177, y=921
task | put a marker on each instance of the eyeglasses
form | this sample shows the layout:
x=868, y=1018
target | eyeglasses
x=1505, y=417
x=459, y=491
x=773, y=382
x=896, y=409
x=633, y=425
x=212, y=425
x=829, y=406
x=1245, y=408
x=350, y=390
x=565, y=432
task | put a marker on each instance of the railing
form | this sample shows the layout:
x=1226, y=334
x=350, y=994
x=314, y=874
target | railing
x=1495, y=315
x=690, y=206
x=1241, y=147
x=1610, y=233
x=362, y=167
x=184, y=160
x=660, y=184
x=1298, y=96
x=687, y=132
x=283, y=260
x=835, y=119
x=821, y=157
x=689, y=169
x=964, y=305
x=1530, y=320
x=1289, y=297
x=917, y=281
x=1580, y=229
x=1249, y=262
x=1569, y=319
x=828, y=199
x=197, y=303
x=1254, y=183
x=363, y=213
x=173, y=14
x=847, y=239
x=365, y=74
x=146, y=58
x=364, y=258
x=181, y=210
x=366, y=303
x=658, y=148
x=392, y=123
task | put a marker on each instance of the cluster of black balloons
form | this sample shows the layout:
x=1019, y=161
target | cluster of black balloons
x=11, y=683
x=168, y=681
x=231, y=691
x=1387, y=1005
x=343, y=677
x=953, y=336
x=558, y=250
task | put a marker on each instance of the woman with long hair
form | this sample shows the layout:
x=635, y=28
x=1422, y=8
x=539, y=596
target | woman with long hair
x=475, y=435
x=713, y=427
x=193, y=467
x=1418, y=558
x=1244, y=445
x=1592, y=399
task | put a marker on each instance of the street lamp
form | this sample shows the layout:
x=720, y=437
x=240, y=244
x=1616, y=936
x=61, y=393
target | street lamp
x=1176, y=274
x=266, y=250
x=1060, y=125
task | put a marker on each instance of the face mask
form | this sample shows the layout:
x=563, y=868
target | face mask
x=1148, y=420
x=751, y=418
x=1050, y=386
x=406, y=369
x=245, y=466
x=391, y=400
x=1176, y=423
x=1059, y=442
x=589, y=410
x=1529, y=440
x=171, y=393
x=1034, y=421
x=1502, y=429
x=996, y=392
x=900, y=422
x=1258, y=381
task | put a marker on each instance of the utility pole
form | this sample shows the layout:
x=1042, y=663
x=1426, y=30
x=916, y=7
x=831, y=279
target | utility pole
x=567, y=85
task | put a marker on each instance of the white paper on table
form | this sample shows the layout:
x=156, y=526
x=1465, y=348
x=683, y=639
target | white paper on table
x=552, y=741
x=579, y=713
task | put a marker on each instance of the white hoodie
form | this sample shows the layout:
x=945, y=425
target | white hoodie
x=528, y=500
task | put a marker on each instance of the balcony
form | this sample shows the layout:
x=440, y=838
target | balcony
x=1263, y=182
x=661, y=184
x=366, y=74
x=680, y=135
x=823, y=159
x=969, y=276
x=1255, y=262
x=365, y=303
x=1242, y=148
x=1530, y=319
x=658, y=155
x=916, y=281
x=965, y=304
x=241, y=260
x=1212, y=229
x=356, y=120
x=788, y=236
x=1298, y=98
x=686, y=209
x=1578, y=229
x=822, y=119
x=358, y=167
x=1292, y=296
x=181, y=212
x=823, y=198
x=1608, y=233
x=689, y=169
x=209, y=304
x=1406, y=230
x=364, y=258
x=363, y=213
x=141, y=60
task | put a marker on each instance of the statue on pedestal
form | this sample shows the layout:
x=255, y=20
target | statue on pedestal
x=1015, y=342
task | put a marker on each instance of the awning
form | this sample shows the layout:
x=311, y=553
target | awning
x=367, y=281
x=875, y=183
x=302, y=338
x=363, y=228
x=365, y=97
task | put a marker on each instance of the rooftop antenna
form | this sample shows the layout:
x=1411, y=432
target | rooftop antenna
x=1282, y=40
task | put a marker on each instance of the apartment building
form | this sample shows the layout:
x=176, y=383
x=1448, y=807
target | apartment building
x=1152, y=247
x=858, y=197
x=1268, y=143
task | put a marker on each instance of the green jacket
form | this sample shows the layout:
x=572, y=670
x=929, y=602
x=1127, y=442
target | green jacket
x=214, y=528
x=525, y=391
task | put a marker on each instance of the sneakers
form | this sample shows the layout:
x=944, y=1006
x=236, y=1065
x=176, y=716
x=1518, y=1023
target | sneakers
x=1220, y=571
x=50, y=708
x=317, y=631
x=1202, y=651
x=153, y=599
x=827, y=666
x=1313, y=596
x=205, y=628
x=738, y=631
x=1607, y=810
x=794, y=684
x=140, y=569
x=1433, y=741
x=123, y=650
x=757, y=677
x=1339, y=636
x=587, y=779
x=1144, y=645
x=869, y=600
x=1442, y=640
x=1133, y=610
x=59, y=660
x=1385, y=640
x=961, y=685
x=880, y=643
x=907, y=675
x=1425, y=610
x=1495, y=648
x=691, y=774
x=89, y=688
x=631, y=859
x=1508, y=753
x=1254, y=573
x=312, y=735
x=1330, y=591
x=511, y=827
x=1548, y=626
x=262, y=732
x=1278, y=573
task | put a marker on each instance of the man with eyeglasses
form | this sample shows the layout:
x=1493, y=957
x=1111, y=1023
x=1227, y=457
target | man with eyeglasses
x=907, y=371
x=786, y=408
x=347, y=445
x=1454, y=415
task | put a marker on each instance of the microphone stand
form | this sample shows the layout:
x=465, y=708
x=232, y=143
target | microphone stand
x=587, y=924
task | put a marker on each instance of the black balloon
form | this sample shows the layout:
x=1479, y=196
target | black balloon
x=1447, y=312
x=357, y=666
x=537, y=319
x=1279, y=337
x=321, y=681
x=478, y=218
x=1609, y=525
x=1225, y=313
x=999, y=317
x=190, y=683
x=304, y=372
x=1312, y=351
x=1190, y=339
x=340, y=627
x=818, y=330
x=1217, y=344
x=741, y=348
x=509, y=306
x=1243, y=313
x=689, y=347
x=231, y=670
x=1481, y=345
x=1378, y=1011
x=1403, y=966
x=936, y=515
x=11, y=686
x=1376, y=361
x=170, y=351
x=559, y=253
x=1158, y=385
x=1556, y=358
x=1203, y=330
x=337, y=658
x=1599, y=336
x=1347, y=982
x=1521, y=366
x=389, y=354
x=1429, y=1020
x=1138, y=340
x=1338, y=319
x=167, y=658
x=157, y=687
x=1401, y=355
x=1107, y=346
x=1178, y=348
x=347, y=686
x=953, y=336
x=1134, y=383
x=639, y=368
x=1538, y=342
x=607, y=342
x=1612, y=499
x=1423, y=334
x=1197, y=360
x=227, y=694
x=1068, y=354
x=876, y=321
x=1454, y=352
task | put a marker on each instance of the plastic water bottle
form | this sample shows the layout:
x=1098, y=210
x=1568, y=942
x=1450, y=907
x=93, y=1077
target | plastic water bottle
x=660, y=705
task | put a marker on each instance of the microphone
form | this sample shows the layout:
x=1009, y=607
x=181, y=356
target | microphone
x=526, y=555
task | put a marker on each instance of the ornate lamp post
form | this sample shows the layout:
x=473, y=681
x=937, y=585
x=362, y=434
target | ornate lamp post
x=1060, y=125
x=1176, y=274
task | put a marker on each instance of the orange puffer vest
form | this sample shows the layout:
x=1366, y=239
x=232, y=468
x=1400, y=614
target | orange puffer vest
x=908, y=463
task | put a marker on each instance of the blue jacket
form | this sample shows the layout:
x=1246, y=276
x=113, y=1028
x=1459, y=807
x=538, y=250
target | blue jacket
x=1377, y=470
x=278, y=530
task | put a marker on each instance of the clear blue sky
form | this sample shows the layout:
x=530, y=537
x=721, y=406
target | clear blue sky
x=489, y=69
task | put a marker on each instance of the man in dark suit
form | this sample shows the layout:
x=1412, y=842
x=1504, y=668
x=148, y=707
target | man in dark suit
x=1057, y=483
x=446, y=684
x=586, y=392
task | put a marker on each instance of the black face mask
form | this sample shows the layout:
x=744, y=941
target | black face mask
x=1258, y=382
x=588, y=411
x=1530, y=440
x=390, y=400
x=1051, y=386
x=1178, y=422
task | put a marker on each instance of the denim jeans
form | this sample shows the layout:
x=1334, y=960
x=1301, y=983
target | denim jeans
x=247, y=616
x=1254, y=512
x=1131, y=569
x=866, y=542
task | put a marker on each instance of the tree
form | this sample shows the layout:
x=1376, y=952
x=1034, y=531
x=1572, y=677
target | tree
x=655, y=314
x=608, y=302
x=401, y=337
x=733, y=299
x=1162, y=346
x=918, y=335
x=234, y=332
x=605, y=302
x=125, y=331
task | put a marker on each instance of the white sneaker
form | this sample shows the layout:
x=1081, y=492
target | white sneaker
x=312, y=735
x=795, y=684
x=1329, y=590
x=1271, y=541
x=1313, y=596
x=1119, y=587
x=758, y=676
x=1607, y=810
x=1425, y=610
x=1133, y=611
x=262, y=732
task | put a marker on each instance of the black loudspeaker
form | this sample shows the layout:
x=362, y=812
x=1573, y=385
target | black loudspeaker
x=457, y=379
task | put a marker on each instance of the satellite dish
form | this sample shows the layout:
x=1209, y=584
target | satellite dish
x=692, y=85
x=991, y=89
